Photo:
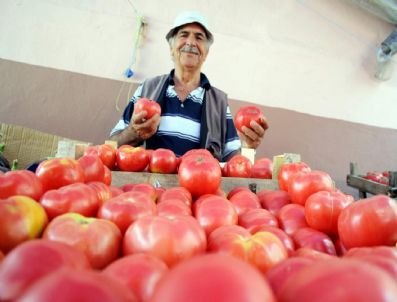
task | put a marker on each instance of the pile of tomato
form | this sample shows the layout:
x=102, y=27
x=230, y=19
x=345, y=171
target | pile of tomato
x=67, y=234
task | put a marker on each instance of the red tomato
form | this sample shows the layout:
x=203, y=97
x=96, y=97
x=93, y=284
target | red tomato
x=177, y=193
x=126, y=208
x=304, y=184
x=200, y=175
x=107, y=176
x=58, y=172
x=99, y=239
x=107, y=154
x=291, y=218
x=239, y=166
x=34, y=259
x=316, y=240
x=236, y=190
x=285, y=239
x=263, y=249
x=93, y=168
x=144, y=188
x=322, y=210
x=172, y=239
x=369, y=222
x=385, y=257
x=116, y=191
x=246, y=114
x=215, y=211
x=262, y=168
x=139, y=272
x=173, y=207
x=21, y=182
x=244, y=201
x=195, y=152
x=289, y=169
x=103, y=191
x=273, y=201
x=257, y=217
x=225, y=229
x=131, y=159
x=213, y=277
x=78, y=198
x=151, y=107
x=386, y=264
x=66, y=285
x=282, y=271
x=339, y=280
x=22, y=219
x=307, y=252
x=389, y=252
x=163, y=161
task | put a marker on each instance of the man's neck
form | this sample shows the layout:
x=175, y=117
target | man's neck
x=187, y=77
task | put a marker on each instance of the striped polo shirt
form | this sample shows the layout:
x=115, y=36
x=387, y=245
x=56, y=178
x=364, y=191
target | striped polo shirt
x=179, y=128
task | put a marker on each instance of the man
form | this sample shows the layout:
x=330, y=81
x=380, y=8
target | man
x=194, y=114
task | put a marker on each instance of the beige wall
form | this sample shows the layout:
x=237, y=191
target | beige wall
x=84, y=108
x=313, y=56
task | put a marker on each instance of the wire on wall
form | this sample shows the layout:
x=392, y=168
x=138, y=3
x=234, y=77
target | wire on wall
x=130, y=70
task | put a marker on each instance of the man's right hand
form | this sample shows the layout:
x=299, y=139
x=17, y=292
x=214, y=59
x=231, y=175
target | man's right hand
x=144, y=128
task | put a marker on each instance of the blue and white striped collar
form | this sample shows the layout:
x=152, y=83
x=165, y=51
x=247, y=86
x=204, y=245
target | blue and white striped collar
x=204, y=82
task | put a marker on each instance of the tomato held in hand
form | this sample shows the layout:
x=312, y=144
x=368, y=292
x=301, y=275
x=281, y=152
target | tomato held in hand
x=246, y=114
x=369, y=222
x=151, y=107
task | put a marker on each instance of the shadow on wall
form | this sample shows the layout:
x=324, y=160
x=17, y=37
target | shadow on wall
x=83, y=107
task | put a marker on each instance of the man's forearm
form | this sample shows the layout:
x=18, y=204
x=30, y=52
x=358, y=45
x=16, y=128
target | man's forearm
x=126, y=137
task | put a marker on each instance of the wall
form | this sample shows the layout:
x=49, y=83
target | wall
x=309, y=64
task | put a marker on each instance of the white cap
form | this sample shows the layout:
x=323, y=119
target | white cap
x=188, y=17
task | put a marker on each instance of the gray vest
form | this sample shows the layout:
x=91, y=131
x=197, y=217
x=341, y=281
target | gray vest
x=213, y=119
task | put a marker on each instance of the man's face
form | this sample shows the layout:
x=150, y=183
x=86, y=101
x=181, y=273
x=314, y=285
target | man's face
x=189, y=48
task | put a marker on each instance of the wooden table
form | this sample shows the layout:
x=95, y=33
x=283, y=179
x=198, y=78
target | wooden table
x=171, y=180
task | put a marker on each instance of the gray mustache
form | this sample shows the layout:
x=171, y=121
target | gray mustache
x=190, y=49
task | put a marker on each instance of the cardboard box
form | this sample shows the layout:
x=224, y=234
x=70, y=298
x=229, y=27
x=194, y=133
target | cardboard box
x=28, y=145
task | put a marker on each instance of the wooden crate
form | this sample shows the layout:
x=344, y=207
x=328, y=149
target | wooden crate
x=171, y=180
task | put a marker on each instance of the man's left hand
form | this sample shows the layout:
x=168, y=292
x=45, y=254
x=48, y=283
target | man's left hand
x=252, y=138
